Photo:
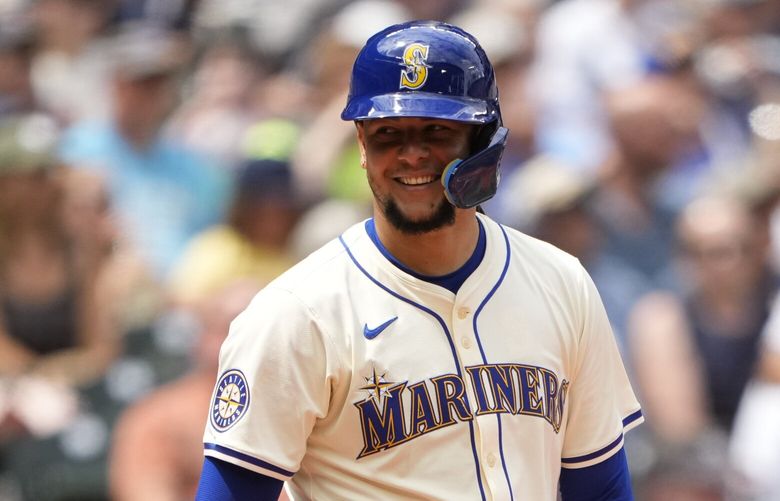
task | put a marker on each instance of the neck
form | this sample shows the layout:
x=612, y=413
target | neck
x=139, y=135
x=434, y=253
x=732, y=314
x=627, y=178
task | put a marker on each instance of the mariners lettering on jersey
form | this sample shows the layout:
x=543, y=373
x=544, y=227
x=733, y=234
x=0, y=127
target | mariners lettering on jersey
x=231, y=399
x=415, y=71
x=395, y=413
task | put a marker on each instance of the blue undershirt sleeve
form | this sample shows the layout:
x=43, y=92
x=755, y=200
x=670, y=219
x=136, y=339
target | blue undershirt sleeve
x=223, y=481
x=605, y=481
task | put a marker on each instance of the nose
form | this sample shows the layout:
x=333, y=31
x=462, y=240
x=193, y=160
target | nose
x=413, y=151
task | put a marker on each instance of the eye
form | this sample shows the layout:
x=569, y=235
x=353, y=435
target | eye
x=437, y=127
x=385, y=134
x=438, y=131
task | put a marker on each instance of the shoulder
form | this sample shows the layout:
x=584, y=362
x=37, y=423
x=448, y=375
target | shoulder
x=217, y=237
x=84, y=140
x=664, y=310
x=164, y=408
x=541, y=270
x=317, y=268
x=658, y=316
x=296, y=317
x=190, y=165
x=217, y=247
x=315, y=278
x=531, y=252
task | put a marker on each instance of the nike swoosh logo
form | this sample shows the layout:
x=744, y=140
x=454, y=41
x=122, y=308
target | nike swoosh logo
x=372, y=333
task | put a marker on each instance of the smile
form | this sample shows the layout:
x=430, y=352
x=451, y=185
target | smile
x=416, y=180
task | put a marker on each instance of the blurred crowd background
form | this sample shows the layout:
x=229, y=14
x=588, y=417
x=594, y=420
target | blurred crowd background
x=161, y=160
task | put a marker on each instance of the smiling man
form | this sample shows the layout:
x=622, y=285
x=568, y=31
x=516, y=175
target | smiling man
x=416, y=168
x=428, y=352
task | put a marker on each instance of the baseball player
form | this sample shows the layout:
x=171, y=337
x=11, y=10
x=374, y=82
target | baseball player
x=428, y=352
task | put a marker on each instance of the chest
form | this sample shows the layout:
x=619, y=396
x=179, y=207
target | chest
x=420, y=363
x=417, y=336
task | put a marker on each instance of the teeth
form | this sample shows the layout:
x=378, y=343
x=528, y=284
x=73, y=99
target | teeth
x=411, y=181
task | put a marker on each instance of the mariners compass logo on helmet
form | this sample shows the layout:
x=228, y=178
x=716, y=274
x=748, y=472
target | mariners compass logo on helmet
x=415, y=71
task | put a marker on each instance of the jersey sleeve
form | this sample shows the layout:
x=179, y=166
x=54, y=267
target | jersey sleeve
x=275, y=373
x=609, y=479
x=221, y=481
x=602, y=404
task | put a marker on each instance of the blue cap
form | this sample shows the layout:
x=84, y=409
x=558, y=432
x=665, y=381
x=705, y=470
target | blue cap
x=424, y=69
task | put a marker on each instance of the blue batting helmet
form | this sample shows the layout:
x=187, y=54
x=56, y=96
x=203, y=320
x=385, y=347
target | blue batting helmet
x=430, y=69
x=423, y=69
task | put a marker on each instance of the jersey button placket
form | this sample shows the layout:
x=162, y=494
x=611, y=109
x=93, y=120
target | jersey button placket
x=462, y=312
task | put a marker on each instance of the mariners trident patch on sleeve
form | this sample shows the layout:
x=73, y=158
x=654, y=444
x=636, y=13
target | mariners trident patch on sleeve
x=231, y=399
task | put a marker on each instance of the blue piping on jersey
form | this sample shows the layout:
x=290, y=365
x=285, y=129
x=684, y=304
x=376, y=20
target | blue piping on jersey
x=632, y=417
x=449, y=339
x=592, y=455
x=626, y=421
x=484, y=359
x=247, y=458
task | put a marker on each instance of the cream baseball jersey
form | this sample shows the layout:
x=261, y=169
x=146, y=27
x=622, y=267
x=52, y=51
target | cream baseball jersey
x=351, y=379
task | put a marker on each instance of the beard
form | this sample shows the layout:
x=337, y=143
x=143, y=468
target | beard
x=443, y=215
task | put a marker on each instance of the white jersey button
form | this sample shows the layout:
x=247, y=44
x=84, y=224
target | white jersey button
x=465, y=342
x=491, y=460
x=463, y=312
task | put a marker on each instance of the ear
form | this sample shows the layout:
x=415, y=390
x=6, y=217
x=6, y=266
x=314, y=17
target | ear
x=361, y=143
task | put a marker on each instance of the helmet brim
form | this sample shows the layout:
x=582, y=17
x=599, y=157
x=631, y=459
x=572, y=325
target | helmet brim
x=419, y=105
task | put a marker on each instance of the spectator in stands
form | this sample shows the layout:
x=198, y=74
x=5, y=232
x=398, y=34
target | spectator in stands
x=16, y=49
x=164, y=194
x=219, y=108
x=53, y=317
x=252, y=243
x=327, y=161
x=157, y=442
x=693, y=354
x=586, y=48
x=68, y=74
x=175, y=15
x=755, y=443
x=653, y=124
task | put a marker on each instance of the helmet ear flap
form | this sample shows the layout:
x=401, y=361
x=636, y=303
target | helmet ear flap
x=486, y=132
x=482, y=135
x=469, y=182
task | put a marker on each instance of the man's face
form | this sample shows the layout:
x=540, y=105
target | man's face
x=146, y=100
x=404, y=159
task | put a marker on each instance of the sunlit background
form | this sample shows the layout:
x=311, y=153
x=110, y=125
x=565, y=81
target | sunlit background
x=162, y=160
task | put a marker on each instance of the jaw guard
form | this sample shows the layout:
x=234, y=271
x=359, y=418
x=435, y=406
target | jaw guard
x=468, y=183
